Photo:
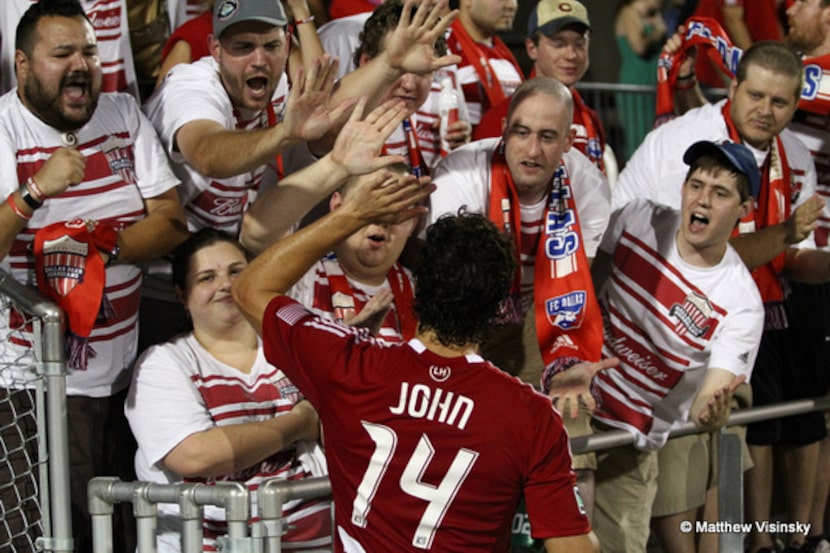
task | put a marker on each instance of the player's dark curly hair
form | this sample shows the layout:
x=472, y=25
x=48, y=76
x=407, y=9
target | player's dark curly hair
x=463, y=274
x=25, y=38
x=382, y=21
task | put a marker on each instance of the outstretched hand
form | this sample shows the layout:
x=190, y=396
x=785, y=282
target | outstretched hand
x=804, y=219
x=308, y=115
x=358, y=144
x=386, y=198
x=716, y=411
x=410, y=48
x=374, y=312
x=573, y=384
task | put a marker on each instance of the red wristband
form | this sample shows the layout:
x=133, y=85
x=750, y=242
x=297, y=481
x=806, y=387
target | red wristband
x=17, y=210
x=35, y=189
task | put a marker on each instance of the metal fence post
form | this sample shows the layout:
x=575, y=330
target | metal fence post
x=730, y=489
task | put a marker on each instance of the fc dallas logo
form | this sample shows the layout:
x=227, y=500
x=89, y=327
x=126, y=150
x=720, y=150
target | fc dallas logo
x=64, y=263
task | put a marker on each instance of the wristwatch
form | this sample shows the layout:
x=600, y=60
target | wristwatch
x=113, y=255
x=28, y=197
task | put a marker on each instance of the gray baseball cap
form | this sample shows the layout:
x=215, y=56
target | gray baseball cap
x=231, y=12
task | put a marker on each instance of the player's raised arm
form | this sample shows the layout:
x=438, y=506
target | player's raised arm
x=387, y=198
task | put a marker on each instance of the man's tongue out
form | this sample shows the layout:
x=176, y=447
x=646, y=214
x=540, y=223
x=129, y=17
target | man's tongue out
x=698, y=223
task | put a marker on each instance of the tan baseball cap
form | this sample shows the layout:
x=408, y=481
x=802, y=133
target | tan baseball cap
x=551, y=16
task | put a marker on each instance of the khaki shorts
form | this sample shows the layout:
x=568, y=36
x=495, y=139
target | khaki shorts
x=626, y=482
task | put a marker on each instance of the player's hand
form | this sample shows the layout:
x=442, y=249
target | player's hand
x=311, y=420
x=573, y=384
x=359, y=142
x=457, y=134
x=716, y=412
x=804, y=220
x=410, y=48
x=374, y=312
x=307, y=114
x=64, y=168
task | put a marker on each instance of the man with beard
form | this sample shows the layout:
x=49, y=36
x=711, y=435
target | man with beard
x=224, y=118
x=86, y=167
x=109, y=19
x=488, y=72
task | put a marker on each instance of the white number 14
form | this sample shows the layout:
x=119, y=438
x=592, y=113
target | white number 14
x=438, y=498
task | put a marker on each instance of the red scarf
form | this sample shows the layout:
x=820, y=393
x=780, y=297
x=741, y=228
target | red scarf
x=709, y=37
x=566, y=309
x=771, y=208
x=815, y=96
x=344, y=304
x=471, y=51
x=583, y=115
x=70, y=271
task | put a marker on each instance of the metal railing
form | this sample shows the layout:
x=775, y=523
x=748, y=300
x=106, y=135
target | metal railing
x=35, y=509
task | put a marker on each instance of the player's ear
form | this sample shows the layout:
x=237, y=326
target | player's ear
x=335, y=201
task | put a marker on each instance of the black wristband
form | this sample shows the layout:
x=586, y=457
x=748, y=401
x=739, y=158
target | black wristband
x=27, y=196
x=685, y=77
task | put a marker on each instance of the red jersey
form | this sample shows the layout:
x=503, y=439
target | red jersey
x=425, y=452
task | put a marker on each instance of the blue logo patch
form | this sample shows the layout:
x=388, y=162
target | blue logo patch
x=567, y=311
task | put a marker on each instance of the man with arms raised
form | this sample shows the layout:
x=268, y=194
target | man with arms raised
x=684, y=317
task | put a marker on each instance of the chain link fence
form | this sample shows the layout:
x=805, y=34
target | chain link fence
x=34, y=469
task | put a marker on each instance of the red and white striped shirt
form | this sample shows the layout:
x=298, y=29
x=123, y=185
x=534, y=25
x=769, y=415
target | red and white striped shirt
x=180, y=389
x=125, y=164
x=668, y=322
x=192, y=92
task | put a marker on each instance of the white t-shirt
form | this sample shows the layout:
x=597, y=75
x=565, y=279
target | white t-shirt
x=656, y=171
x=192, y=92
x=108, y=18
x=180, y=389
x=668, y=322
x=125, y=165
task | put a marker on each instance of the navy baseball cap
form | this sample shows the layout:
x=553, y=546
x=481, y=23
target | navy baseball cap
x=738, y=155
x=231, y=12
x=551, y=16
